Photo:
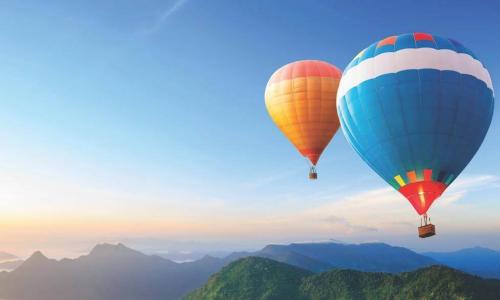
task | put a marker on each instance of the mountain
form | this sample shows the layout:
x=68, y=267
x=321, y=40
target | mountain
x=261, y=278
x=107, y=272
x=253, y=278
x=372, y=257
x=187, y=256
x=480, y=261
x=285, y=255
x=118, y=272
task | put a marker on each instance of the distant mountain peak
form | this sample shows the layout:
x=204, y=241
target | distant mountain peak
x=481, y=261
x=110, y=246
x=105, y=249
x=35, y=261
x=109, y=271
x=37, y=256
x=479, y=248
x=471, y=250
x=209, y=257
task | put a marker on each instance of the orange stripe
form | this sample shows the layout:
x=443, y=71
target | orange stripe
x=305, y=68
x=412, y=176
x=387, y=41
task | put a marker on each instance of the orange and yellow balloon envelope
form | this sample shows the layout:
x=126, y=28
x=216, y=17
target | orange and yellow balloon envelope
x=301, y=100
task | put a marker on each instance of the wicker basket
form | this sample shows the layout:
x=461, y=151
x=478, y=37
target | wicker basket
x=426, y=230
x=313, y=175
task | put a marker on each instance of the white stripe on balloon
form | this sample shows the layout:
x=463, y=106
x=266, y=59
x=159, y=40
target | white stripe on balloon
x=410, y=59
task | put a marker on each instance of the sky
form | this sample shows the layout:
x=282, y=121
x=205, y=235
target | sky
x=144, y=122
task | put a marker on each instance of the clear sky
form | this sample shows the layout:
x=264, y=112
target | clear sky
x=144, y=122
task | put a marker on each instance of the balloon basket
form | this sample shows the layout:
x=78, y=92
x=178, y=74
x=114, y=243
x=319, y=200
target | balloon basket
x=426, y=231
x=312, y=173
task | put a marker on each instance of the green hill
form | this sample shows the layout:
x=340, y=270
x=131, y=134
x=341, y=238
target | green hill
x=255, y=278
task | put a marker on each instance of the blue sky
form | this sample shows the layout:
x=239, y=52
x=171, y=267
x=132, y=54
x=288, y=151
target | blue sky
x=145, y=121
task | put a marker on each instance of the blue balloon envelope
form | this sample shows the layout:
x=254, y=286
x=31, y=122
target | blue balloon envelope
x=416, y=108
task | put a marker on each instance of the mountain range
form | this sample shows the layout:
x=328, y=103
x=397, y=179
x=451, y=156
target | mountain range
x=261, y=278
x=480, y=261
x=317, y=257
x=378, y=257
x=117, y=272
x=107, y=272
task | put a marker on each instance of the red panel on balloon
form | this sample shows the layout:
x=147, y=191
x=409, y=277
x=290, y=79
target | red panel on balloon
x=420, y=36
x=422, y=194
x=427, y=174
x=312, y=154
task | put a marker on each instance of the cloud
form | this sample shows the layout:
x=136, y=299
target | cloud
x=347, y=226
x=163, y=17
x=385, y=210
x=463, y=186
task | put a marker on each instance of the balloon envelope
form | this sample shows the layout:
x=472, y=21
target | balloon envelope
x=416, y=107
x=300, y=98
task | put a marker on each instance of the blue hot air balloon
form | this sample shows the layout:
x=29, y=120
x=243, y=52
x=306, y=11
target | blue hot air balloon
x=416, y=107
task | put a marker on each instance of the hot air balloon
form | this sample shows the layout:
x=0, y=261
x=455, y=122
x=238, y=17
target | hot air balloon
x=416, y=108
x=300, y=98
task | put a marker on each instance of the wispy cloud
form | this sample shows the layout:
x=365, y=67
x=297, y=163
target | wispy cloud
x=344, y=225
x=385, y=209
x=462, y=186
x=369, y=214
x=163, y=17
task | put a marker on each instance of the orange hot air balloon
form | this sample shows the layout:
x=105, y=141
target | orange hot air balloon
x=301, y=100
